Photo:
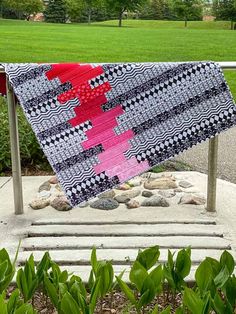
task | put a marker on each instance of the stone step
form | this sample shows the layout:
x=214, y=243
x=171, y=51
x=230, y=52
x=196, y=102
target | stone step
x=118, y=256
x=110, y=221
x=72, y=242
x=125, y=230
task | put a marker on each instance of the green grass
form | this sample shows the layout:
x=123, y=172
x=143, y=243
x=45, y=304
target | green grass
x=137, y=41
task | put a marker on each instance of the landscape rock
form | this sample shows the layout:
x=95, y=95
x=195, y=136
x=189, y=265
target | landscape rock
x=132, y=193
x=124, y=187
x=122, y=199
x=46, y=186
x=53, y=180
x=105, y=204
x=185, y=184
x=61, y=204
x=162, y=183
x=133, y=204
x=44, y=194
x=107, y=194
x=178, y=190
x=135, y=182
x=192, y=199
x=147, y=193
x=167, y=193
x=58, y=187
x=84, y=204
x=155, y=200
x=39, y=203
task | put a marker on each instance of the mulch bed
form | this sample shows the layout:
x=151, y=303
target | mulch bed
x=115, y=303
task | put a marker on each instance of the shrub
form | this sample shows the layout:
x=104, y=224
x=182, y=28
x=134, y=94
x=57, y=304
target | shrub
x=213, y=292
x=31, y=153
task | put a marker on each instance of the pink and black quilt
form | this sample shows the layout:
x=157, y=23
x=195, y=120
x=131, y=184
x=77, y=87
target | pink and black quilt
x=102, y=124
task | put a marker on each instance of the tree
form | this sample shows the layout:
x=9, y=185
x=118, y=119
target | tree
x=24, y=7
x=55, y=11
x=188, y=10
x=225, y=10
x=120, y=6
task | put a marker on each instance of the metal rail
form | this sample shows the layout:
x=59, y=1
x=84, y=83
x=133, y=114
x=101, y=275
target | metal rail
x=15, y=153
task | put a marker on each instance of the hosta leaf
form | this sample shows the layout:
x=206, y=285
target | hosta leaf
x=148, y=257
x=137, y=275
x=192, y=301
x=69, y=305
x=227, y=259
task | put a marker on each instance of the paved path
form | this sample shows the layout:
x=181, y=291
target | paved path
x=197, y=156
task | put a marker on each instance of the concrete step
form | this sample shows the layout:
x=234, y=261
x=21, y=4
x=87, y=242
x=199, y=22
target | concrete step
x=74, y=243
x=118, y=256
x=126, y=230
x=110, y=221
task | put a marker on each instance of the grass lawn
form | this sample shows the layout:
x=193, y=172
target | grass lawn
x=137, y=41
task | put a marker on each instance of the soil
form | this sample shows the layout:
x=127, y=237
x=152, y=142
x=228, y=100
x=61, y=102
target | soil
x=115, y=303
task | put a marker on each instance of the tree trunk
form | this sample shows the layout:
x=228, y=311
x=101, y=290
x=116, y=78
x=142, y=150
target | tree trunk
x=185, y=22
x=89, y=16
x=120, y=18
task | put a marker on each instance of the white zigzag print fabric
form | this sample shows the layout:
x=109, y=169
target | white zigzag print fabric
x=102, y=124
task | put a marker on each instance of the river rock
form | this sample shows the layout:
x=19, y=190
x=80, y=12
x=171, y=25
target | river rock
x=84, y=204
x=178, y=190
x=167, y=193
x=132, y=193
x=46, y=186
x=185, y=184
x=53, y=180
x=147, y=193
x=39, y=203
x=124, y=187
x=163, y=183
x=105, y=204
x=58, y=187
x=192, y=199
x=133, y=204
x=122, y=199
x=44, y=194
x=107, y=194
x=61, y=204
x=135, y=182
x=155, y=200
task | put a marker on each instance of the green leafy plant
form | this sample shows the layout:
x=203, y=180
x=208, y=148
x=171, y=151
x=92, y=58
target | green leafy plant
x=147, y=281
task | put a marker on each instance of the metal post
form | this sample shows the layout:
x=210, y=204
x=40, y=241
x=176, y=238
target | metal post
x=212, y=174
x=15, y=151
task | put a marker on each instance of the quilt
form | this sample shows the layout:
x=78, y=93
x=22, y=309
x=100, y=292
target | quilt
x=101, y=124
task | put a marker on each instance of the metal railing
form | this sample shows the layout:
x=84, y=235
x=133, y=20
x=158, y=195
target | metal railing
x=15, y=153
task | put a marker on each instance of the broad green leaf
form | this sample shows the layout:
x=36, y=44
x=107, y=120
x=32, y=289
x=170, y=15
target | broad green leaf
x=215, y=265
x=22, y=283
x=227, y=259
x=3, y=306
x=69, y=305
x=148, y=257
x=155, y=310
x=167, y=274
x=51, y=291
x=218, y=304
x=12, y=302
x=179, y=310
x=105, y=272
x=170, y=261
x=144, y=299
x=183, y=263
x=94, y=295
x=166, y=310
x=149, y=285
x=203, y=275
x=156, y=276
x=63, y=276
x=231, y=290
x=43, y=266
x=138, y=274
x=127, y=291
x=91, y=280
x=221, y=279
x=192, y=301
x=25, y=309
